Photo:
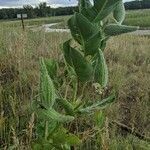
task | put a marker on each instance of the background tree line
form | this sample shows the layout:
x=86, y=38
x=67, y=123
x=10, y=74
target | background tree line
x=138, y=4
x=42, y=10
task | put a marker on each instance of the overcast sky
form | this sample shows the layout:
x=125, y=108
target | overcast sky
x=53, y=3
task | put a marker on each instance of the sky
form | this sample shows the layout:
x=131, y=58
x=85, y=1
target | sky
x=53, y=3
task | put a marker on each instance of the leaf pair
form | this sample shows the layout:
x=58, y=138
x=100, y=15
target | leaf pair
x=104, y=8
x=85, y=33
x=100, y=10
x=84, y=69
x=75, y=59
x=48, y=97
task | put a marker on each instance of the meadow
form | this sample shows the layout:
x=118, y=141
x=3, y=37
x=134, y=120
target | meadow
x=138, y=17
x=128, y=60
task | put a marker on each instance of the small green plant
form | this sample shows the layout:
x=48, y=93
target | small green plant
x=84, y=65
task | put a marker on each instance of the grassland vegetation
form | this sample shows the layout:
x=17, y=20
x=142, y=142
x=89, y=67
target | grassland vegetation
x=138, y=17
x=128, y=61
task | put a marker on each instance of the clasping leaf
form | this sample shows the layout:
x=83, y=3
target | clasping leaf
x=74, y=58
x=47, y=90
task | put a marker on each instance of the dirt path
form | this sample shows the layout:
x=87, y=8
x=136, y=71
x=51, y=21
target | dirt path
x=47, y=28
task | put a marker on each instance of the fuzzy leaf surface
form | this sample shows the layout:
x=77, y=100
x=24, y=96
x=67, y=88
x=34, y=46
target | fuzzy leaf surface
x=47, y=89
x=101, y=70
x=50, y=114
x=85, y=4
x=119, y=12
x=108, y=6
x=99, y=105
x=66, y=105
x=51, y=66
x=115, y=29
x=85, y=33
x=74, y=58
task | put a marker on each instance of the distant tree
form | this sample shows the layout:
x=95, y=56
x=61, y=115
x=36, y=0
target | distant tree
x=3, y=14
x=29, y=10
x=42, y=9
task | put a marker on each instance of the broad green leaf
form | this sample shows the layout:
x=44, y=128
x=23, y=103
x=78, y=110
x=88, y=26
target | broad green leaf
x=86, y=28
x=119, y=12
x=62, y=136
x=59, y=137
x=67, y=52
x=74, y=58
x=93, y=44
x=99, y=5
x=89, y=13
x=72, y=140
x=81, y=28
x=52, y=127
x=74, y=29
x=85, y=33
x=66, y=105
x=106, y=9
x=99, y=105
x=114, y=29
x=50, y=114
x=51, y=66
x=84, y=4
x=101, y=70
x=47, y=90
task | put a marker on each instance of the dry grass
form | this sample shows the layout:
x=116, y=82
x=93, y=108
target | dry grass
x=129, y=63
x=128, y=58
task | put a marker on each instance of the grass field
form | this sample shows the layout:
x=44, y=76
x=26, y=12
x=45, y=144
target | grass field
x=138, y=17
x=128, y=58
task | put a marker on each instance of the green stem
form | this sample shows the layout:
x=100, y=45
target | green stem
x=75, y=90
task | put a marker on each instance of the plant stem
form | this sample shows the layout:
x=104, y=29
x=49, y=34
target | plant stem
x=75, y=90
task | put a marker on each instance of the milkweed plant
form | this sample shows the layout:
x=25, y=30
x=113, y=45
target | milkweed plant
x=84, y=63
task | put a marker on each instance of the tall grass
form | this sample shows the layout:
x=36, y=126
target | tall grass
x=129, y=68
x=138, y=17
x=35, y=22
